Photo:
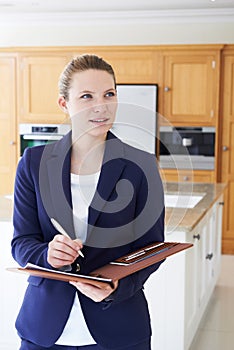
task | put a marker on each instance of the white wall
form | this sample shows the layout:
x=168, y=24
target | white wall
x=73, y=30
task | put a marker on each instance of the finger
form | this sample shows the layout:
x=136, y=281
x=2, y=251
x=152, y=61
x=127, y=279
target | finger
x=66, y=244
x=57, y=263
x=93, y=292
x=64, y=254
x=60, y=253
x=78, y=243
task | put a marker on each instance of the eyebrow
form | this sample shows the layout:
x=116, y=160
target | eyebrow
x=86, y=91
x=92, y=92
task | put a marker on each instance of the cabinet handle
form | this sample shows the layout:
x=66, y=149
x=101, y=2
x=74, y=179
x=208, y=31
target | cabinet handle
x=209, y=256
x=225, y=148
x=186, y=178
x=166, y=89
x=12, y=143
x=197, y=236
x=221, y=203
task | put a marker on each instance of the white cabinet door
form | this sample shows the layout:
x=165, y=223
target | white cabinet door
x=204, y=263
x=217, y=245
x=192, y=284
x=211, y=232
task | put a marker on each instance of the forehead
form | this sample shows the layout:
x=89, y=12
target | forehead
x=92, y=80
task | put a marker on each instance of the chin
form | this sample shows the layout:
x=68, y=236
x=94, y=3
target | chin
x=100, y=130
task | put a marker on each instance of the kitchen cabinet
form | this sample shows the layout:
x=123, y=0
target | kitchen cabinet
x=180, y=290
x=38, y=87
x=191, y=85
x=132, y=65
x=227, y=147
x=39, y=73
x=187, y=78
x=8, y=139
x=183, y=175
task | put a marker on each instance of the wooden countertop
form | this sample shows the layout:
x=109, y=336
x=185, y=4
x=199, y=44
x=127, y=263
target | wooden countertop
x=179, y=219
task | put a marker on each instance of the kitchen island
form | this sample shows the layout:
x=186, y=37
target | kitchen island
x=178, y=292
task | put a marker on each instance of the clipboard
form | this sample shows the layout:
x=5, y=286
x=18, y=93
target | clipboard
x=115, y=270
x=153, y=253
x=38, y=271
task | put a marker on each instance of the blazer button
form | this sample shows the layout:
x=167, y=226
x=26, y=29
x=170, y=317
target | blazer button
x=77, y=267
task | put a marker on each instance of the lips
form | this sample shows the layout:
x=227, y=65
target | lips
x=99, y=120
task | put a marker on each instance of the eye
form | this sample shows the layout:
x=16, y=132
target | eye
x=86, y=96
x=110, y=94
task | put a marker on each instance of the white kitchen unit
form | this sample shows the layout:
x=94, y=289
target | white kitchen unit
x=11, y=291
x=178, y=293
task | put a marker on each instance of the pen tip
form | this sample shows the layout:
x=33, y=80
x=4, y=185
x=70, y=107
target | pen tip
x=81, y=254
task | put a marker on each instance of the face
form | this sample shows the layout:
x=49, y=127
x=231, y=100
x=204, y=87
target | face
x=92, y=102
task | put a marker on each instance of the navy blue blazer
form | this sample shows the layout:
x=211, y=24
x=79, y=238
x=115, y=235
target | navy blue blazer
x=127, y=212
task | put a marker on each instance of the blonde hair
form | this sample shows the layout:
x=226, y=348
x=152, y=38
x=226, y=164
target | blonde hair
x=80, y=64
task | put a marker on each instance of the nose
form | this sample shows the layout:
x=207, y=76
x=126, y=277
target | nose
x=100, y=106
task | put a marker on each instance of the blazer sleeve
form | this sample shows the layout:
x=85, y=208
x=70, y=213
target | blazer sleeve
x=131, y=284
x=28, y=243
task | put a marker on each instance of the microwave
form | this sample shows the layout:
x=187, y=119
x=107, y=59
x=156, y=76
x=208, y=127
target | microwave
x=186, y=147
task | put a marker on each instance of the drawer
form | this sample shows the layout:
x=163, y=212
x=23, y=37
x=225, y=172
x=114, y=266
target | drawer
x=174, y=175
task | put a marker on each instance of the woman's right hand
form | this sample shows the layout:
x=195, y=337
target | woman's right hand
x=63, y=251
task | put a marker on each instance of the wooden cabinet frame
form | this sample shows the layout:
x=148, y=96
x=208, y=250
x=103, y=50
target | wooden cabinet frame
x=227, y=147
x=8, y=138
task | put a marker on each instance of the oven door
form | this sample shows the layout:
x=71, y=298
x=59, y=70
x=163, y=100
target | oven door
x=31, y=140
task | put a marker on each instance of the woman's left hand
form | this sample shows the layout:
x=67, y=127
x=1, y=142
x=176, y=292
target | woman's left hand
x=93, y=292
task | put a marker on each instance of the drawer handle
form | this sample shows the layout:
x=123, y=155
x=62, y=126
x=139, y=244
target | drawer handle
x=209, y=256
x=221, y=203
x=197, y=236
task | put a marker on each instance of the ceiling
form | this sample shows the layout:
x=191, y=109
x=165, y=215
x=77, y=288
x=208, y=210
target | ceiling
x=26, y=13
x=78, y=6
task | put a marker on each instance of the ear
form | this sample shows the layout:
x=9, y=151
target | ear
x=62, y=104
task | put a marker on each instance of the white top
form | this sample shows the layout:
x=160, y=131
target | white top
x=83, y=187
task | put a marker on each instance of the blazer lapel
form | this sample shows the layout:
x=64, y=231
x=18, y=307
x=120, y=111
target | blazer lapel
x=58, y=167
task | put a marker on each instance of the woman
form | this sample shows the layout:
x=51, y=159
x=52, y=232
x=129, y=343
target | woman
x=109, y=198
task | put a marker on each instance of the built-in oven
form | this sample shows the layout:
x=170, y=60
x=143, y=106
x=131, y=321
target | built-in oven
x=187, y=147
x=40, y=134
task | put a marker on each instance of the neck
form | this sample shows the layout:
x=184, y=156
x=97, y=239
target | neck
x=87, y=154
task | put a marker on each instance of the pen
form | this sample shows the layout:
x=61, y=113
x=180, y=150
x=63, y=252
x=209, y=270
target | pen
x=130, y=257
x=63, y=232
x=154, y=246
x=141, y=252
